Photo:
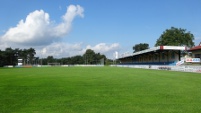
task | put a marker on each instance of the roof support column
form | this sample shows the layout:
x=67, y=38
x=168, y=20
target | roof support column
x=168, y=56
x=179, y=54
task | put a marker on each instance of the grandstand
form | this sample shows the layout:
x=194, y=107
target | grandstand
x=160, y=55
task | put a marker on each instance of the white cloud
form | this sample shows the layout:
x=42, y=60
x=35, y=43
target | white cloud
x=38, y=29
x=104, y=48
x=61, y=49
x=42, y=34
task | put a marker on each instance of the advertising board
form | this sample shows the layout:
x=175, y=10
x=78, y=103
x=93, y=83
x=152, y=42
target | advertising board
x=192, y=60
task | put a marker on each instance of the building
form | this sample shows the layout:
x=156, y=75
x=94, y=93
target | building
x=161, y=55
x=196, y=51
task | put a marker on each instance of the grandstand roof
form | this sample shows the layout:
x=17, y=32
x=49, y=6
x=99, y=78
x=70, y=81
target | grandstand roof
x=154, y=49
x=196, y=47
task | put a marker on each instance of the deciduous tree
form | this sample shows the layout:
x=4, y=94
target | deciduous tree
x=140, y=47
x=176, y=37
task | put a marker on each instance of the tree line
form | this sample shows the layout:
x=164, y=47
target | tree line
x=89, y=57
x=10, y=57
x=170, y=37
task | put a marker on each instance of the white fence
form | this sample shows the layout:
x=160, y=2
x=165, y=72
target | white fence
x=196, y=69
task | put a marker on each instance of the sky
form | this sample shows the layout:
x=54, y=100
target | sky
x=65, y=28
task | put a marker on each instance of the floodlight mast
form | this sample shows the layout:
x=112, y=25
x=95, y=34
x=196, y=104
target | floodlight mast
x=116, y=54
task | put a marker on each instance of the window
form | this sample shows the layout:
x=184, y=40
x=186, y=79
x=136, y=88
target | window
x=197, y=55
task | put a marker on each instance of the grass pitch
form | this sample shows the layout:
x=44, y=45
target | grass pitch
x=98, y=90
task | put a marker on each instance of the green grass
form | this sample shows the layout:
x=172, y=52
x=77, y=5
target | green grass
x=98, y=90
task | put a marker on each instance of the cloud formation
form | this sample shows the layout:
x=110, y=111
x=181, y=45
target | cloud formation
x=38, y=29
x=42, y=34
x=61, y=49
x=104, y=48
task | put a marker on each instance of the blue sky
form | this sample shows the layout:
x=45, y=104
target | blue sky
x=103, y=25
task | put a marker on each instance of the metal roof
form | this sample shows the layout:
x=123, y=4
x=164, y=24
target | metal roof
x=155, y=49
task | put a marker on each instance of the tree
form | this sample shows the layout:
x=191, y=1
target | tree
x=77, y=60
x=89, y=56
x=50, y=59
x=30, y=54
x=23, y=54
x=9, y=56
x=66, y=60
x=100, y=59
x=2, y=58
x=176, y=37
x=140, y=47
